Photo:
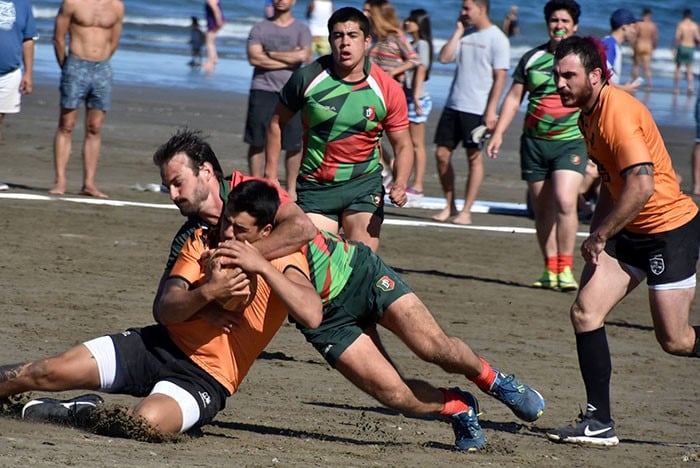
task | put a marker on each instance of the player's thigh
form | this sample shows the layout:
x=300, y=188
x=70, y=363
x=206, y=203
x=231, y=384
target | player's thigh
x=74, y=368
x=324, y=222
x=410, y=320
x=363, y=227
x=565, y=187
x=602, y=287
x=364, y=364
x=670, y=311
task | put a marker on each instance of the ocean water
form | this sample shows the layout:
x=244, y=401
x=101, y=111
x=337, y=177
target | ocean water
x=154, y=47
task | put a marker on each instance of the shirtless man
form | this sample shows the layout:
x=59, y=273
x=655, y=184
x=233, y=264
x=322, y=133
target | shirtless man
x=686, y=38
x=94, y=27
x=644, y=45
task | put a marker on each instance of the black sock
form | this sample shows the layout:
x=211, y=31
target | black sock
x=596, y=368
x=696, y=348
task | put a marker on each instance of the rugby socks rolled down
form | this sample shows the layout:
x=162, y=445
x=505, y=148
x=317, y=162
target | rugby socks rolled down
x=454, y=403
x=485, y=379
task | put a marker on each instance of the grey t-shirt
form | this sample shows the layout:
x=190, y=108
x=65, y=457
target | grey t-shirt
x=422, y=48
x=276, y=38
x=478, y=54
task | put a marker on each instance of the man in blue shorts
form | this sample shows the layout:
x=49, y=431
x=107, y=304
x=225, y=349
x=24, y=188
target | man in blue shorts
x=86, y=77
x=359, y=291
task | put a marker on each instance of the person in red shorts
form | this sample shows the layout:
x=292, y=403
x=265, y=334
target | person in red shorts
x=643, y=227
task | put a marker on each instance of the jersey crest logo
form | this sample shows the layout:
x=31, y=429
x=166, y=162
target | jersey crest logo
x=576, y=159
x=370, y=112
x=386, y=284
x=657, y=265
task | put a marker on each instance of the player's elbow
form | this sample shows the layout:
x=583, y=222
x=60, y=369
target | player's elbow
x=313, y=313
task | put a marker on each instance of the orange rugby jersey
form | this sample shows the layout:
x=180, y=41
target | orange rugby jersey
x=228, y=356
x=620, y=133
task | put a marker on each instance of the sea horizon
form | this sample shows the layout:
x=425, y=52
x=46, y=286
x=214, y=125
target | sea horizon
x=153, y=69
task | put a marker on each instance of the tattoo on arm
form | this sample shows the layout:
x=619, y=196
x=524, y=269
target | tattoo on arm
x=640, y=170
x=10, y=372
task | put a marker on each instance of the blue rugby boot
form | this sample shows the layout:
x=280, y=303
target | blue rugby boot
x=524, y=401
x=468, y=434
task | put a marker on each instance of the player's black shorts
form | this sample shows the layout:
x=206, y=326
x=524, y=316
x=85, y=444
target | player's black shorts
x=455, y=127
x=146, y=356
x=261, y=106
x=667, y=257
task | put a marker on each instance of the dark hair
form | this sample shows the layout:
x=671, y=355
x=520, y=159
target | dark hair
x=346, y=14
x=255, y=197
x=590, y=51
x=425, y=32
x=193, y=145
x=646, y=11
x=571, y=6
x=687, y=13
x=483, y=3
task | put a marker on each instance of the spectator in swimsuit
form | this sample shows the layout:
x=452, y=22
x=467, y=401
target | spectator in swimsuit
x=215, y=20
x=644, y=45
x=686, y=38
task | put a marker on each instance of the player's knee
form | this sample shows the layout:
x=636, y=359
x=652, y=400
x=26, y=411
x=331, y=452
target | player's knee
x=154, y=418
x=675, y=345
x=579, y=318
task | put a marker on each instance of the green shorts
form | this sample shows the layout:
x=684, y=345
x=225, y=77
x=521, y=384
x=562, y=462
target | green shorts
x=364, y=194
x=539, y=158
x=371, y=288
x=684, y=55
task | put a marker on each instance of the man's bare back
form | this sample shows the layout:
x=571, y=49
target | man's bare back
x=687, y=33
x=94, y=27
x=647, y=35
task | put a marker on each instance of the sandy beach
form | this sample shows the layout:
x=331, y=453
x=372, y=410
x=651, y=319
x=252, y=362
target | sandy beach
x=72, y=271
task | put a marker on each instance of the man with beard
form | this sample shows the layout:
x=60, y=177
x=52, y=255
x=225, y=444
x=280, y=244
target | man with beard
x=192, y=173
x=642, y=227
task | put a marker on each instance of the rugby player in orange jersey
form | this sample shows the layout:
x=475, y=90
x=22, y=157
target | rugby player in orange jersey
x=643, y=227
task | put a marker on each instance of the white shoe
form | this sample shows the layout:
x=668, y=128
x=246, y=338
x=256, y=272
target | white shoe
x=480, y=133
x=4, y=186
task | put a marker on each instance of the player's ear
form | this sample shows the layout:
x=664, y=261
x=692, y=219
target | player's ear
x=266, y=230
x=207, y=168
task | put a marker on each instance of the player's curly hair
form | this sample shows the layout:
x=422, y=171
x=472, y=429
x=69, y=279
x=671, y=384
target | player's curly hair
x=191, y=143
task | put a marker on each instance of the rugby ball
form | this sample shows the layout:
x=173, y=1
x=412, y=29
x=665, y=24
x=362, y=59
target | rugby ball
x=241, y=301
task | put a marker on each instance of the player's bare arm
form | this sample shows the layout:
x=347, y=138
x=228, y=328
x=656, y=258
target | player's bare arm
x=638, y=188
x=179, y=302
x=273, y=141
x=292, y=287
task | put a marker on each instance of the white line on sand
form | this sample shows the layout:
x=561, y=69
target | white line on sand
x=427, y=202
